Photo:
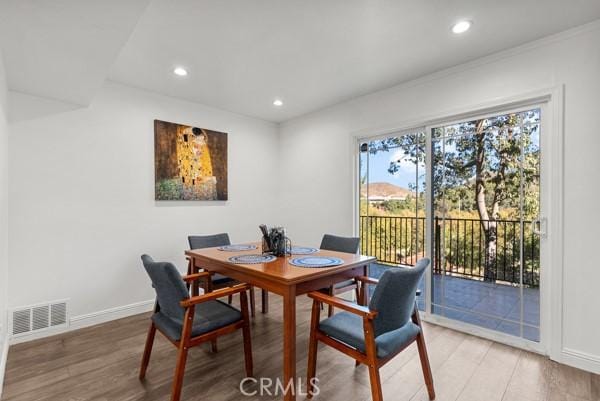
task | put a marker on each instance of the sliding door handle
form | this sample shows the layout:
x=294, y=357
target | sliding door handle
x=540, y=227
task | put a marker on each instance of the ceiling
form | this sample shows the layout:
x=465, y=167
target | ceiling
x=63, y=49
x=243, y=54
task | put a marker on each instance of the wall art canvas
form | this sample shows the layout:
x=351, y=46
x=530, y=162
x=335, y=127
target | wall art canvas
x=189, y=163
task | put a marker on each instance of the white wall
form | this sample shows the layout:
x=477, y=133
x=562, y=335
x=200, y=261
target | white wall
x=3, y=219
x=316, y=163
x=82, y=197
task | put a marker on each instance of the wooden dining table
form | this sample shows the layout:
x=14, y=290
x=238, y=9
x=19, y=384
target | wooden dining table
x=282, y=278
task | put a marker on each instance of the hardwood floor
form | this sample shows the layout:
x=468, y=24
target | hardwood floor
x=102, y=362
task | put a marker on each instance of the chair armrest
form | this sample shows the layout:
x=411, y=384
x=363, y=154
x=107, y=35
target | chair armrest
x=343, y=304
x=368, y=280
x=196, y=276
x=186, y=303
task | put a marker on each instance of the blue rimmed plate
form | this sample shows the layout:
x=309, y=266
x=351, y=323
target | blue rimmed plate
x=302, y=250
x=316, y=261
x=252, y=259
x=237, y=248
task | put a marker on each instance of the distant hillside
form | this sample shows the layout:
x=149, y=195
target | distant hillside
x=384, y=190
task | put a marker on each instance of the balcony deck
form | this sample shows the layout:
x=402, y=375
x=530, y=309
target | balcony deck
x=493, y=306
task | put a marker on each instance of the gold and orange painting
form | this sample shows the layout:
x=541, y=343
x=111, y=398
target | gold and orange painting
x=189, y=163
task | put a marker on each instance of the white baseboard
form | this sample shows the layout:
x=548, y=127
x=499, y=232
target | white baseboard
x=91, y=319
x=119, y=312
x=3, y=357
x=580, y=360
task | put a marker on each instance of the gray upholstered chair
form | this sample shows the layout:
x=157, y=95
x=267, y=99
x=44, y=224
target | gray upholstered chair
x=189, y=321
x=373, y=335
x=218, y=280
x=211, y=241
x=341, y=244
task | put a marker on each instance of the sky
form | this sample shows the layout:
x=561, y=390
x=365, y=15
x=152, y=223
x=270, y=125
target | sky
x=380, y=162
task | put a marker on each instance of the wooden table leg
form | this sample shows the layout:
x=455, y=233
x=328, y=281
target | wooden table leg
x=289, y=343
x=265, y=301
x=365, y=295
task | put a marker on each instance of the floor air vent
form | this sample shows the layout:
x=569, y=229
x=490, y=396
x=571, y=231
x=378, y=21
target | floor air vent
x=36, y=318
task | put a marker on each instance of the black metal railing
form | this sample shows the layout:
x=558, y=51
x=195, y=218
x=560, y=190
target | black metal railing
x=461, y=246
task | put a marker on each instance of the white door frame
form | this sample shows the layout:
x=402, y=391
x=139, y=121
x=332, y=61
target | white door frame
x=551, y=103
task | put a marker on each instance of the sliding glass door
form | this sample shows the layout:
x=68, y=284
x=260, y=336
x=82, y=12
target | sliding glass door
x=485, y=176
x=467, y=195
x=392, y=220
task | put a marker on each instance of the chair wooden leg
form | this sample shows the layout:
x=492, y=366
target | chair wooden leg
x=376, y=393
x=371, y=349
x=230, y=299
x=423, y=356
x=312, y=348
x=182, y=353
x=265, y=301
x=147, y=350
x=208, y=287
x=252, y=302
x=179, y=371
x=330, y=308
x=246, y=334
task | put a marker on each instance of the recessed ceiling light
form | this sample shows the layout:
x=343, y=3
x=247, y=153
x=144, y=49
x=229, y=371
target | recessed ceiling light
x=461, y=26
x=278, y=102
x=182, y=72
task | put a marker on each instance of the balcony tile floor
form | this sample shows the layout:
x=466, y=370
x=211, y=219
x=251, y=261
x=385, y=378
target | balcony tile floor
x=493, y=306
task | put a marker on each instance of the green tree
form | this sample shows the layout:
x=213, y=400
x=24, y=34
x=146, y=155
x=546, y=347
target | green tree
x=482, y=165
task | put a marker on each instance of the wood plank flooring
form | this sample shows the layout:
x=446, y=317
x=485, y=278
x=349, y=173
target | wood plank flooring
x=102, y=362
